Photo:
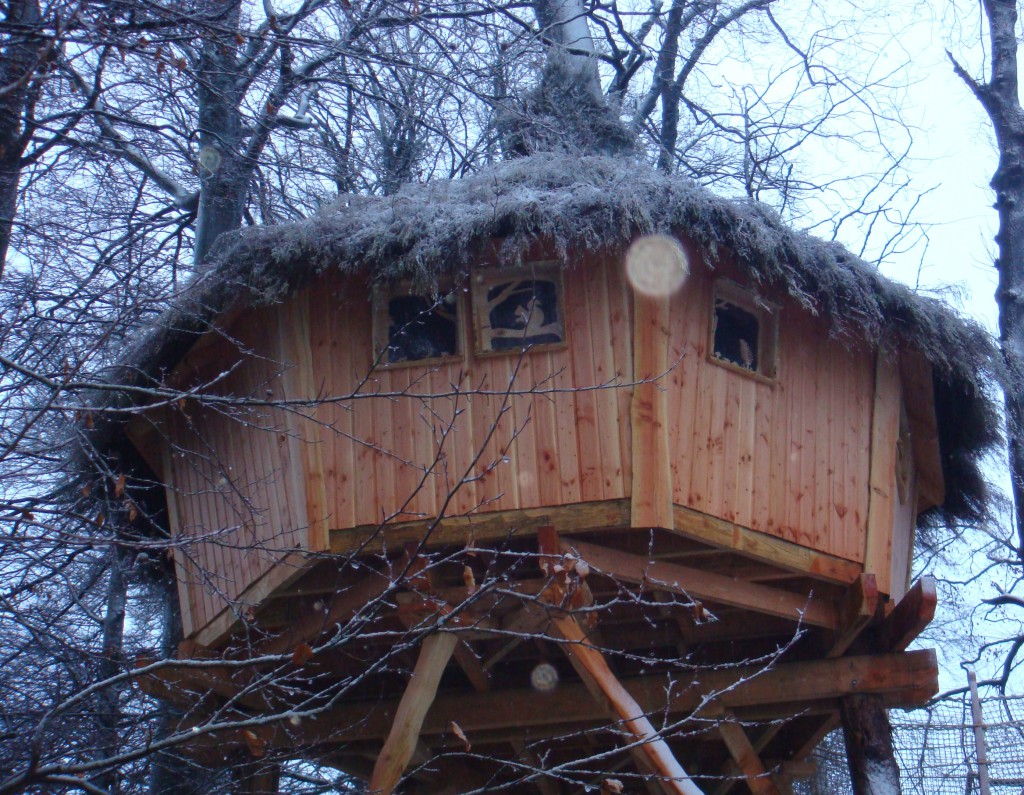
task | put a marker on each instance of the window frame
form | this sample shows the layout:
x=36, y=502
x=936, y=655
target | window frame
x=767, y=315
x=485, y=278
x=382, y=294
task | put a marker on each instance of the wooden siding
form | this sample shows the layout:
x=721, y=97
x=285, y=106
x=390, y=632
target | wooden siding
x=788, y=457
x=478, y=434
x=234, y=471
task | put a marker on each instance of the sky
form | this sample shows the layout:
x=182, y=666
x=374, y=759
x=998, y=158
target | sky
x=951, y=157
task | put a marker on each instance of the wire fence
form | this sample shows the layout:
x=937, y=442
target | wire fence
x=936, y=750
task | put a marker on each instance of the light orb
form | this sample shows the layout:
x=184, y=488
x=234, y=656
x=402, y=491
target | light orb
x=656, y=265
x=544, y=677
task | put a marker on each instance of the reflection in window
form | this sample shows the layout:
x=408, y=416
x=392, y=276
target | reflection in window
x=523, y=313
x=419, y=327
x=736, y=334
x=744, y=330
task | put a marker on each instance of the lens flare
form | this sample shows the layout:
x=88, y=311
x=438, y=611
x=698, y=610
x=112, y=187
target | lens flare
x=656, y=265
x=544, y=677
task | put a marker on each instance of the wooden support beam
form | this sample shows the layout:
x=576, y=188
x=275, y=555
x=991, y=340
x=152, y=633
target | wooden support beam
x=746, y=757
x=340, y=608
x=908, y=619
x=885, y=422
x=857, y=611
x=483, y=528
x=698, y=584
x=763, y=547
x=287, y=570
x=652, y=471
x=435, y=652
x=905, y=679
x=496, y=526
x=472, y=666
x=646, y=744
x=183, y=683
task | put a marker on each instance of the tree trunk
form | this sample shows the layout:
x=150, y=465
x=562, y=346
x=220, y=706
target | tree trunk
x=108, y=713
x=564, y=24
x=1003, y=107
x=170, y=773
x=19, y=53
x=869, y=751
x=224, y=170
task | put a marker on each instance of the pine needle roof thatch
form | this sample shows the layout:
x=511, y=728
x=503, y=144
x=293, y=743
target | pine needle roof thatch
x=575, y=203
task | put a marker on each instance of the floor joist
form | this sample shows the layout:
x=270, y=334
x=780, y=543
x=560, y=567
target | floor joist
x=699, y=584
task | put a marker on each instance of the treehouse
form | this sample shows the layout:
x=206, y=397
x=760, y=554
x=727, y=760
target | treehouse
x=567, y=473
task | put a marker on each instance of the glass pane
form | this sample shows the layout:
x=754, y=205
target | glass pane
x=422, y=328
x=736, y=335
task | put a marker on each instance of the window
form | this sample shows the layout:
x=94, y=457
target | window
x=744, y=330
x=520, y=309
x=411, y=326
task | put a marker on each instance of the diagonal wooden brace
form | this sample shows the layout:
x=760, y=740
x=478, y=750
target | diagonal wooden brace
x=746, y=757
x=648, y=748
x=412, y=709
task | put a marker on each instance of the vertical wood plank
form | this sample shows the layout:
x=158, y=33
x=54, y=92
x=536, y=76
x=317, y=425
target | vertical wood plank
x=590, y=460
x=652, y=475
x=881, y=503
x=762, y=452
x=182, y=575
x=306, y=445
x=620, y=327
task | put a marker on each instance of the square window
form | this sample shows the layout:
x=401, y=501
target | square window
x=744, y=330
x=415, y=326
x=517, y=310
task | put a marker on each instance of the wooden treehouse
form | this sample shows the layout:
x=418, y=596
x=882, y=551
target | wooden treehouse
x=486, y=506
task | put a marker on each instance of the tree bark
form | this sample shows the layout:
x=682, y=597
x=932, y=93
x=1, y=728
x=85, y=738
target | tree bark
x=108, y=713
x=1002, y=105
x=224, y=170
x=170, y=773
x=19, y=56
x=869, y=751
x=564, y=23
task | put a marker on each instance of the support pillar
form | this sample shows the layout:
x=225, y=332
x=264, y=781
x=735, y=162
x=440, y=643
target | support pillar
x=255, y=777
x=869, y=750
x=435, y=652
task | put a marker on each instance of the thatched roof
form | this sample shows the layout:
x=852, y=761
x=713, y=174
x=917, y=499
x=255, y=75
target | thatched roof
x=586, y=202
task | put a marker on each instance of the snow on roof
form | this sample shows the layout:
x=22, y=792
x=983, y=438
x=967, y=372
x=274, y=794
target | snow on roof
x=573, y=203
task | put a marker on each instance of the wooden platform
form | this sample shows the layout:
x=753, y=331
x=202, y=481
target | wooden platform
x=735, y=665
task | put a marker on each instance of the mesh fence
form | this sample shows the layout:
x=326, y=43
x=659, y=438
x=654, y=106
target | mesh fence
x=936, y=750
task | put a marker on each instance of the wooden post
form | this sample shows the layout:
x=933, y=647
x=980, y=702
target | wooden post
x=746, y=757
x=869, y=751
x=412, y=709
x=979, y=733
x=652, y=474
x=647, y=746
x=255, y=777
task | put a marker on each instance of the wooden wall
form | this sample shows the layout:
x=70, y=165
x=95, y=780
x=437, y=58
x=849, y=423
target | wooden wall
x=488, y=433
x=789, y=457
x=234, y=468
